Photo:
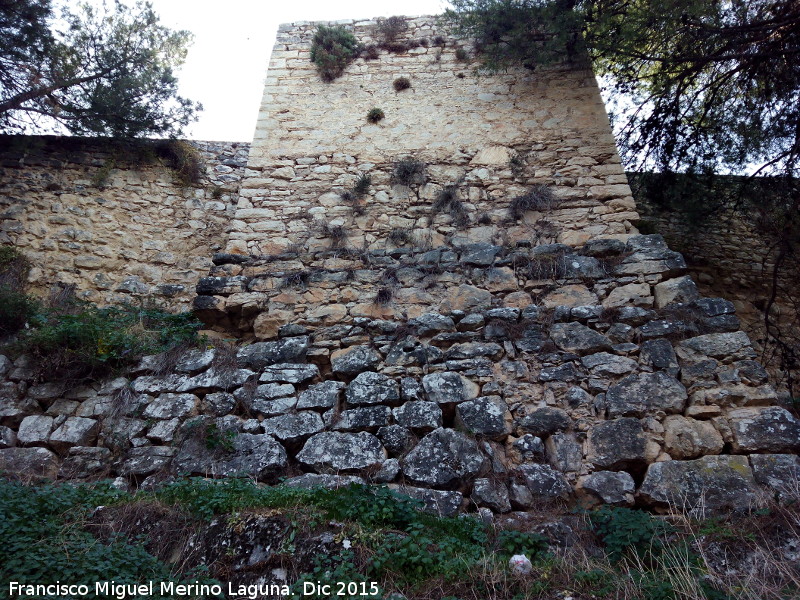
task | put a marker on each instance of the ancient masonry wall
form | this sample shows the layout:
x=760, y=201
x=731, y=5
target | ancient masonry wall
x=491, y=135
x=727, y=256
x=86, y=216
x=498, y=365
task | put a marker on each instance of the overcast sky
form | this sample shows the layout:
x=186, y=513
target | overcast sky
x=226, y=64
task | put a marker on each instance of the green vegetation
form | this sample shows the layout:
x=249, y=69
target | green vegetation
x=389, y=29
x=16, y=307
x=401, y=83
x=98, y=70
x=45, y=539
x=374, y=115
x=383, y=537
x=71, y=339
x=332, y=49
x=78, y=339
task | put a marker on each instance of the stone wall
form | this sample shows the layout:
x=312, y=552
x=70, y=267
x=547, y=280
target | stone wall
x=499, y=361
x=728, y=256
x=491, y=135
x=619, y=385
x=86, y=212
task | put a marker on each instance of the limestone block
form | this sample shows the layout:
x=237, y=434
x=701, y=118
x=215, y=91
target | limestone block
x=35, y=430
x=333, y=452
x=609, y=487
x=686, y=438
x=636, y=294
x=570, y=295
x=29, y=464
x=74, y=431
x=710, y=483
x=444, y=459
x=617, y=445
x=679, y=289
x=771, y=429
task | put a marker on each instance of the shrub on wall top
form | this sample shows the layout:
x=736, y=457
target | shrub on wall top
x=332, y=49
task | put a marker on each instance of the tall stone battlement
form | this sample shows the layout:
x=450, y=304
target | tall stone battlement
x=492, y=136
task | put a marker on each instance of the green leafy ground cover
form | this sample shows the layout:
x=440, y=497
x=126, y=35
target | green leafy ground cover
x=385, y=538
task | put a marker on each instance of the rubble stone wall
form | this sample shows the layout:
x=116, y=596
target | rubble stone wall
x=618, y=384
x=727, y=256
x=85, y=215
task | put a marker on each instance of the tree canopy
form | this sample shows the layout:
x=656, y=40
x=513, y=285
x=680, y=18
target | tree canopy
x=706, y=84
x=90, y=71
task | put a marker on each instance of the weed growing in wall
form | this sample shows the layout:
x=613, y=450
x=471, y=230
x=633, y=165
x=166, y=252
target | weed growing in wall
x=375, y=115
x=447, y=202
x=332, y=49
x=399, y=236
x=16, y=307
x=401, y=83
x=337, y=234
x=409, y=171
x=539, y=197
x=101, y=176
x=71, y=339
x=184, y=160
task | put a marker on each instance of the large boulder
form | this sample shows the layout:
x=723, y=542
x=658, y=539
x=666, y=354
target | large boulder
x=686, y=438
x=262, y=354
x=778, y=472
x=543, y=482
x=289, y=373
x=618, y=445
x=83, y=463
x=726, y=347
x=486, y=415
x=146, y=460
x=770, y=429
x=575, y=337
x=372, y=388
x=679, y=289
x=644, y=394
x=29, y=464
x=438, y=502
x=169, y=406
x=75, y=431
x=321, y=395
x=363, y=418
x=422, y=415
x=396, y=439
x=356, y=359
x=35, y=430
x=445, y=459
x=491, y=494
x=545, y=421
x=294, y=427
x=449, y=387
x=710, y=483
x=251, y=455
x=331, y=452
x=609, y=487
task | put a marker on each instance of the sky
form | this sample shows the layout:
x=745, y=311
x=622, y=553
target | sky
x=227, y=62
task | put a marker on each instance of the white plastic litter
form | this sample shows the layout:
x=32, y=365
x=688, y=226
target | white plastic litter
x=520, y=565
